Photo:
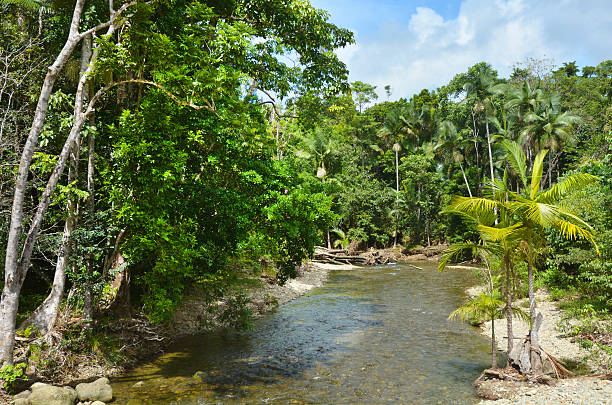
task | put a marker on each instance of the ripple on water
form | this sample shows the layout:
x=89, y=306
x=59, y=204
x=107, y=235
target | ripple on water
x=366, y=336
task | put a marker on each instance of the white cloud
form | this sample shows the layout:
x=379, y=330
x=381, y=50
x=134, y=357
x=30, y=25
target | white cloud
x=429, y=50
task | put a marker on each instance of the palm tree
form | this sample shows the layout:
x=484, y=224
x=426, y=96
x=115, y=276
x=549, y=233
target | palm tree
x=396, y=148
x=397, y=127
x=522, y=217
x=481, y=91
x=451, y=143
x=499, y=238
x=524, y=98
x=489, y=306
x=536, y=209
x=549, y=129
x=342, y=240
x=317, y=145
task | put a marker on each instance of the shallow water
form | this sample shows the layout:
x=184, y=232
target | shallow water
x=374, y=335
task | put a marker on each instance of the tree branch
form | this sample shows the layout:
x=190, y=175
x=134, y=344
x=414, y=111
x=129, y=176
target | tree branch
x=210, y=107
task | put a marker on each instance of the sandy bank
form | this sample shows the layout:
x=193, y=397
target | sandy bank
x=579, y=390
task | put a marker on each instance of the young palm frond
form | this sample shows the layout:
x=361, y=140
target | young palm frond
x=517, y=159
x=536, y=174
x=479, y=209
x=343, y=241
x=483, y=306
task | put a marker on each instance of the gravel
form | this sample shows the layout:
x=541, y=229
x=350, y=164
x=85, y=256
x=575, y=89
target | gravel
x=580, y=390
x=589, y=390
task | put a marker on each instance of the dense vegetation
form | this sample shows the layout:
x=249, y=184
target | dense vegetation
x=197, y=150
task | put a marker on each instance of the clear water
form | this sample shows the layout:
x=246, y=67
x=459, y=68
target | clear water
x=374, y=335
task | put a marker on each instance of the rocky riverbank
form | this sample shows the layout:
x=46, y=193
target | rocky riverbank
x=594, y=389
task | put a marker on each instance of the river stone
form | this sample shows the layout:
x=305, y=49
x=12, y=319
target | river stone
x=21, y=401
x=23, y=394
x=38, y=385
x=97, y=403
x=44, y=394
x=99, y=390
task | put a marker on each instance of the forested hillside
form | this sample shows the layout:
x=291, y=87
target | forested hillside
x=147, y=147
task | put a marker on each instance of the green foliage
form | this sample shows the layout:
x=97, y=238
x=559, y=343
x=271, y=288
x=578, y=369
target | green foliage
x=577, y=266
x=9, y=374
x=295, y=222
x=203, y=180
x=236, y=313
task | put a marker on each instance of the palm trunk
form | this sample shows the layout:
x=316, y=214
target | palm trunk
x=509, y=305
x=396, y=196
x=532, y=306
x=489, y=145
x=475, y=134
x=493, y=344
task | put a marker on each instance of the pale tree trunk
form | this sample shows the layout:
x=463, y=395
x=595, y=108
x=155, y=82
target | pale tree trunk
x=475, y=134
x=16, y=265
x=45, y=316
x=489, y=145
x=14, y=271
x=533, y=333
x=91, y=147
x=465, y=179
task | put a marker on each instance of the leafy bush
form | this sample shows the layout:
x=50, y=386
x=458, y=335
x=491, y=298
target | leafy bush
x=9, y=374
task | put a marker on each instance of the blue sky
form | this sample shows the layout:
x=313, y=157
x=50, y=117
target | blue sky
x=412, y=45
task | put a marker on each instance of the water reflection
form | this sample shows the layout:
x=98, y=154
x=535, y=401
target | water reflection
x=376, y=335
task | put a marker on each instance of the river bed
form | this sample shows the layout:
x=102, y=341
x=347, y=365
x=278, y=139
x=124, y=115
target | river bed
x=372, y=335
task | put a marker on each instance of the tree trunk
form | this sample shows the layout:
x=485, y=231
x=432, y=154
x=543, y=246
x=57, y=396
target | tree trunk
x=465, y=179
x=475, y=134
x=14, y=270
x=16, y=265
x=509, y=304
x=489, y=145
x=91, y=147
x=493, y=345
x=396, y=197
x=45, y=316
x=532, y=305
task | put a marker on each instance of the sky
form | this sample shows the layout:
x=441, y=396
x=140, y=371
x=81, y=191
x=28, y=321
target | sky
x=416, y=44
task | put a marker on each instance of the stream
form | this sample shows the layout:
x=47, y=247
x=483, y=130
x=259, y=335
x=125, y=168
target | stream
x=373, y=335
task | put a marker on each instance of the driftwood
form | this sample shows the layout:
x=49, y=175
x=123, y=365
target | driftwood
x=531, y=359
x=338, y=256
x=346, y=256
